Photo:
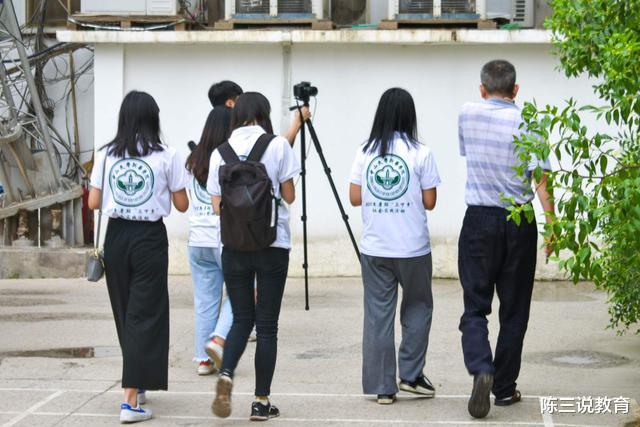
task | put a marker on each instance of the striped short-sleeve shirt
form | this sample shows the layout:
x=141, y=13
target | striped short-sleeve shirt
x=486, y=133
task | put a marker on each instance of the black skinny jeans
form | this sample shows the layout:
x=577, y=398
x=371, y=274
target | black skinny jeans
x=269, y=267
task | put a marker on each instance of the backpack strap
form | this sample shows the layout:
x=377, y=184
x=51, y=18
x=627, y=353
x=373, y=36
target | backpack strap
x=260, y=147
x=228, y=155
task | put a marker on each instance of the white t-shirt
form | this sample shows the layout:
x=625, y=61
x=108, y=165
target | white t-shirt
x=204, y=224
x=139, y=188
x=393, y=216
x=280, y=162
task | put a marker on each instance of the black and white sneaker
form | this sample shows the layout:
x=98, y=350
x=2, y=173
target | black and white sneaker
x=386, y=399
x=421, y=386
x=261, y=412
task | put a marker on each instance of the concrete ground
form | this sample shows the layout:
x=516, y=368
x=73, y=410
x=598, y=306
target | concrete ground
x=568, y=354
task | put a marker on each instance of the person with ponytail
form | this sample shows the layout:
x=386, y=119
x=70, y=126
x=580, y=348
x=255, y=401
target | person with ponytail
x=212, y=317
x=266, y=267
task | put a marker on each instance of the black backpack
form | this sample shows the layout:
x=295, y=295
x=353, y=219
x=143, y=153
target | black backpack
x=249, y=209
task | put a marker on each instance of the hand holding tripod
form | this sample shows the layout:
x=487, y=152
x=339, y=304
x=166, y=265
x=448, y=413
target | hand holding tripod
x=302, y=92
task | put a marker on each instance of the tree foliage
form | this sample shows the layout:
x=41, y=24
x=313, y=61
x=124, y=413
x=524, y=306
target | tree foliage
x=596, y=234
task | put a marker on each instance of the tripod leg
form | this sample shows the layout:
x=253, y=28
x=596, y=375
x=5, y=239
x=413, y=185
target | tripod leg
x=327, y=171
x=303, y=174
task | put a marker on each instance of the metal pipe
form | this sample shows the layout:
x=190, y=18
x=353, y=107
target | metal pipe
x=74, y=104
x=22, y=170
x=481, y=8
x=8, y=95
x=13, y=28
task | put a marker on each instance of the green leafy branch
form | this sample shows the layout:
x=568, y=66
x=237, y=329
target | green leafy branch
x=597, y=182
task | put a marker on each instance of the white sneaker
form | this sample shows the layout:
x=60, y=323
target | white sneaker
x=206, y=367
x=215, y=352
x=142, y=397
x=133, y=415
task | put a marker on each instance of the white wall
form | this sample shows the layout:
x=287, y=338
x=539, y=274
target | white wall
x=350, y=79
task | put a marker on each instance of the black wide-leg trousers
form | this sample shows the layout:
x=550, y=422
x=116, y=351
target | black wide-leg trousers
x=136, y=260
x=496, y=255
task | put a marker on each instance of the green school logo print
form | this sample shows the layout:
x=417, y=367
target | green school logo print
x=201, y=193
x=131, y=182
x=388, y=177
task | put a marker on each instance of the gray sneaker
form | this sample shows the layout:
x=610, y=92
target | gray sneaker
x=215, y=352
x=221, y=406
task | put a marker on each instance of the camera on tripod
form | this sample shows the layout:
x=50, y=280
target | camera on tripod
x=303, y=91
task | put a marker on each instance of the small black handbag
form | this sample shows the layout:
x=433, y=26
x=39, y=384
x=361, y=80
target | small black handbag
x=95, y=260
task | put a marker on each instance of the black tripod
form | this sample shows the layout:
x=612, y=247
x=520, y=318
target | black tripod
x=303, y=174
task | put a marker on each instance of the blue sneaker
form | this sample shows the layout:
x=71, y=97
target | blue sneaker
x=133, y=415
x=142, y=397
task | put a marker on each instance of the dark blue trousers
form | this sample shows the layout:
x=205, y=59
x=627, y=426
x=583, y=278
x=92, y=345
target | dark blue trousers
x=496, y=254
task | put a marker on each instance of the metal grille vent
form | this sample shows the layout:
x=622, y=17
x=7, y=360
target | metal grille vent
x=520, y=9
x=294, y=6
x=458, y=6
x=252, y=6
x=416, y=6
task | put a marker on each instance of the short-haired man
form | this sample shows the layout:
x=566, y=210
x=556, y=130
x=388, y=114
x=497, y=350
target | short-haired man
x=225, y=93
x=495, y=253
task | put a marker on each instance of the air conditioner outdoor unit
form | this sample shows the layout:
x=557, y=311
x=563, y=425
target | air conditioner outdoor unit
x=353, y=12
x=433, y=9
x=270, y=9
x=515, y=11
x=523, y=13
x=130, y=7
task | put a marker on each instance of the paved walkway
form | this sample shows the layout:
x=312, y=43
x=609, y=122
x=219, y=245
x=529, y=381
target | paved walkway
x=568, y=354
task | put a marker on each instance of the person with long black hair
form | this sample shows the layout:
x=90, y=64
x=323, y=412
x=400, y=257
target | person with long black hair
x=212, y=316
x=250, y=121
x=394, y=178
x=141, y=176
